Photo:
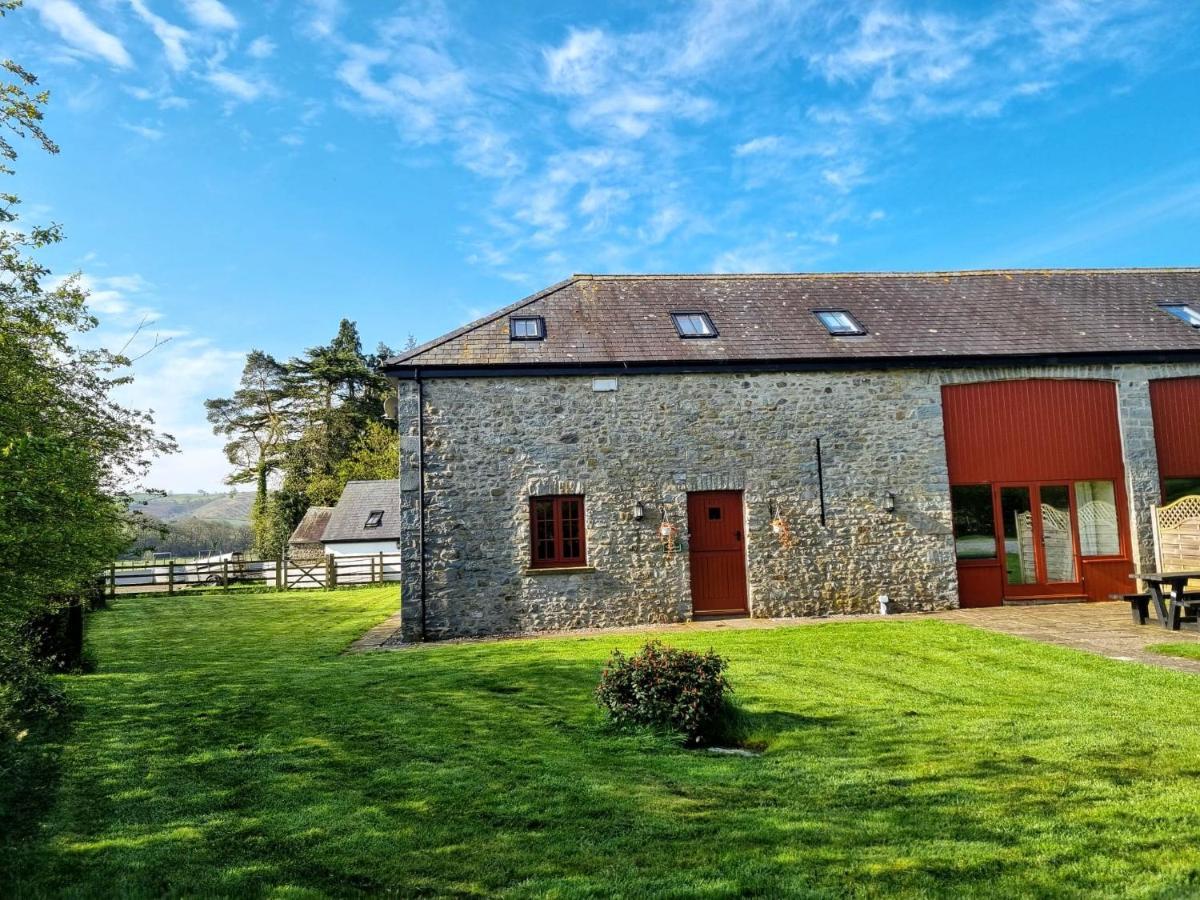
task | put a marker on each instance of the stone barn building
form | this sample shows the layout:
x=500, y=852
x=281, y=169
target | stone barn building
x=619, y=450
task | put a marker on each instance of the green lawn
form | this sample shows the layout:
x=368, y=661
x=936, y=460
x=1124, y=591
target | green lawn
x=226, y=747
x=1184, y=650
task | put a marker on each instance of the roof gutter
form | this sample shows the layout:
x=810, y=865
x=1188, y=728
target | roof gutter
x=809, y=364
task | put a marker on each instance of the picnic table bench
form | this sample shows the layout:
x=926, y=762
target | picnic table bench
x=1167, y=592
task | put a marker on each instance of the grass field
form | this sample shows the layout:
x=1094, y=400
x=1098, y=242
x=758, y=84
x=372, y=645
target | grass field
x=226, y=746
x=1184, y=651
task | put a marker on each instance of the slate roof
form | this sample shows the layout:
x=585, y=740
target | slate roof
x=312, y=526
x=359, y=498
x=625, y=319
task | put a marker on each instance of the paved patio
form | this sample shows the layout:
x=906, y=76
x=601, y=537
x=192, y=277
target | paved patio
x=1102, y=628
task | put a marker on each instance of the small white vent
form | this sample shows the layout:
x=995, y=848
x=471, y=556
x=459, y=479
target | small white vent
x=601, y=385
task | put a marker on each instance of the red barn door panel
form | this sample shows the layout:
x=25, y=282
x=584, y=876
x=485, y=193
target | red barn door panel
x=1036, y=430
x=1175, y=404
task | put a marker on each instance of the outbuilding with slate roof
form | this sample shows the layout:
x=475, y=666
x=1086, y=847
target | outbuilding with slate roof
x=618, y=450
x=365, y=520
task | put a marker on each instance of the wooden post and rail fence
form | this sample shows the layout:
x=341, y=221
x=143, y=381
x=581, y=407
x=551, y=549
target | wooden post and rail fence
x=325, y=572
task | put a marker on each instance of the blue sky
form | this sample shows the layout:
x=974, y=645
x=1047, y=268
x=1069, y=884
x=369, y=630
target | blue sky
x=245, y=174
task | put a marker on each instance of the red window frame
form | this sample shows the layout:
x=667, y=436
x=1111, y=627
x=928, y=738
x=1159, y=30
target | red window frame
x=557, y=536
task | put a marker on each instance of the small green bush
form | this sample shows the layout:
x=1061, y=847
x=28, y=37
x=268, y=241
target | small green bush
x=663, y=687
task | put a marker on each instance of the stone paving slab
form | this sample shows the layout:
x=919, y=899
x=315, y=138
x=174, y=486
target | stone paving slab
x=1105, y=629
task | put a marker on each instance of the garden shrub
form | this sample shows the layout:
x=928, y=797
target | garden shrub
x=664, y=687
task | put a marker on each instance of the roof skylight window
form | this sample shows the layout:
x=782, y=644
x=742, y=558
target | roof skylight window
x=839, y=322
x=1185, y=312
x=526, y=328
x=374, y=518
x=693, y=325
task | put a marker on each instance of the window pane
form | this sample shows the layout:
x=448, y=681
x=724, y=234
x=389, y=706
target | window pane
x=838, y=322
x=1185, y=312
x=571, y=527
x=974, y=525
x=1016, y=513
x=693, y=324
x=1096, y=510
x=1174, y=488
x=543, y=529
x=526, y=328
x=1057, y=541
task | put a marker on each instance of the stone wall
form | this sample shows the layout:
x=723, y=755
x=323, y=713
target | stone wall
x=491, y=443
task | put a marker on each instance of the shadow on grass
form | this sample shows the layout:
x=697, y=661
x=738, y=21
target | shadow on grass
x=215, y=762
x=30, y=771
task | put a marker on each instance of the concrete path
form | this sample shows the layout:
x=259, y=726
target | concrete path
x=1102, y=628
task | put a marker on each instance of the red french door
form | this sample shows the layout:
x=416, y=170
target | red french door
x=1040, y=539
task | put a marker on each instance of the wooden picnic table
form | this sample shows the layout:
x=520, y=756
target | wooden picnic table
x=1166, y=590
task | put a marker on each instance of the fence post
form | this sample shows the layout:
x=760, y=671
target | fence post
x=112, y=575
x=381, y=578
x=224, y=574
x=330, y=572
x=286, y=568
x=171, y=577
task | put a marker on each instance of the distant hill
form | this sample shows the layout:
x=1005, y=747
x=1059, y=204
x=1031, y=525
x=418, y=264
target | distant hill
x=233, y=508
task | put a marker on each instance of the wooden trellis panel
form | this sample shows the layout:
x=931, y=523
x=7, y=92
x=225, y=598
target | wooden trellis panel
x=1177, y=536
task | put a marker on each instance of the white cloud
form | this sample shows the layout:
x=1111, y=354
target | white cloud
x=162, y=97
x=846, y=176
x=261, y=47
x=766, y=144
x=322, y=17
x=416, y=84
x=813, y=99
x=211, y=14
x=246, y=88
x=171, y=36
x=663, y=222
x=81, y=33
x=580, y=65
x=485, y=150
x=145, y=131
x=174, y=380
x=173, y=373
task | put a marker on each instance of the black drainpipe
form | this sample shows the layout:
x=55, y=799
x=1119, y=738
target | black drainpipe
x=421, y=487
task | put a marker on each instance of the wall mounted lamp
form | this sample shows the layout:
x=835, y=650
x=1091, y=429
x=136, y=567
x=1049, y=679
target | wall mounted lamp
x=889, y=501
x=639, y=511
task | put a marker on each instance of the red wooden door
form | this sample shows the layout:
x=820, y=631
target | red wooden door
x=717, y=552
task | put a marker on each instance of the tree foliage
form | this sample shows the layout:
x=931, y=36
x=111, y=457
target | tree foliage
x=189, y=536
x=315, y=422
x=67, y=448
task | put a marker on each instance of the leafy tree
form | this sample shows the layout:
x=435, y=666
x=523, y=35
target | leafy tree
x=375, y=457
x=338, y=395
x=189, y=536
x=257, y=421
x=67, y=448
x=316, y=421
